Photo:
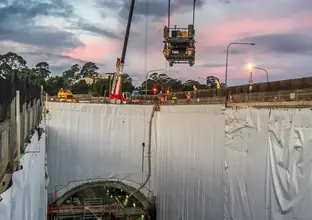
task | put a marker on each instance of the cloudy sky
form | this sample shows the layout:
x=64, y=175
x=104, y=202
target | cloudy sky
x=65, y=32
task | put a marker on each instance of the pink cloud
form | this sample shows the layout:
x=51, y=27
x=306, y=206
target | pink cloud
x=95, y=50
x=213, y=36
x=237, y=27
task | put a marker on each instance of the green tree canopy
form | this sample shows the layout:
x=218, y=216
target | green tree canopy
x=89, y=69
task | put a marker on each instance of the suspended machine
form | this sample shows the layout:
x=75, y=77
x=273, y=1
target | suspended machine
x=179, y=43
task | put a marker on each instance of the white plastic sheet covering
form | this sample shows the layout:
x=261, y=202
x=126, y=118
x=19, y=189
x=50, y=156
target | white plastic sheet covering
x=189, y=163
x=27, y=198
x=207, y=163
x=92, y=141
x=268, y=164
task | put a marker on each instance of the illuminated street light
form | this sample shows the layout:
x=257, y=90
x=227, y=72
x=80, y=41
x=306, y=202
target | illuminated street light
x=227, y=56
x=250, y=67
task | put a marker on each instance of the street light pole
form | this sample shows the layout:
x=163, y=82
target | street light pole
x=266, y=72
x=146, y=79
x=227, y=57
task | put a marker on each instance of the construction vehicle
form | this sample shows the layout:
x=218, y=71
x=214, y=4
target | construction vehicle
x=117, y=96
x=179, y=43
x=65, y=96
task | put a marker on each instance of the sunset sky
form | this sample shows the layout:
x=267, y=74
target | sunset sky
x=65, y=32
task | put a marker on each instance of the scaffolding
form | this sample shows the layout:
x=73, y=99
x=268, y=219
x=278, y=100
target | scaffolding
x=93, y=208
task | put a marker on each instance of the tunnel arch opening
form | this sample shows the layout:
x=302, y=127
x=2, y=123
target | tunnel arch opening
x=103, y=200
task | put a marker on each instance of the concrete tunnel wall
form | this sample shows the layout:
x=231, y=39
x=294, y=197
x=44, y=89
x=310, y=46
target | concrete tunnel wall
x=207, y=163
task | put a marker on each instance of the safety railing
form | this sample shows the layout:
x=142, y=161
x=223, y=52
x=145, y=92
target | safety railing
x=282, y=96
x=202, y=98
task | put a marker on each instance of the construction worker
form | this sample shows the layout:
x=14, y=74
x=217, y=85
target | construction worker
x=162, y=99
x=174, y=99
x=188, y=98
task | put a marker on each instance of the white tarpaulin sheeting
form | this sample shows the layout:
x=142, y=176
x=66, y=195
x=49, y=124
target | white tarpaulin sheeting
x=268, y=164
x=26, y=199
x=91, y=141
x=189, y=161
x=207, y=163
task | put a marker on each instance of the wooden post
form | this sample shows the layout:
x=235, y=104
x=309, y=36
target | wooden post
x=28, y=120
x=18, y=128
x=12, y=134
x=23, y=127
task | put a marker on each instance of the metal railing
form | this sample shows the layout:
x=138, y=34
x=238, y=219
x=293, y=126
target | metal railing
x=202, y=97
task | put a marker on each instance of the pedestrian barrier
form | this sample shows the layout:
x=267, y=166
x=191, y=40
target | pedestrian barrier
x=199, y=98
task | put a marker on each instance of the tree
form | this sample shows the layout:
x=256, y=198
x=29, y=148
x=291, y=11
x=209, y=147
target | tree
x=72, y=74
x=26, y=72
x=212, y=82
x=80, y=87
x=89, y=69
x=175, y=85
x=189, y=85
x=13, y=60
x=10, y=61
x=54, y=84
x=126, y=82
x=160, y=81
x=5, y=70
x=42, y=70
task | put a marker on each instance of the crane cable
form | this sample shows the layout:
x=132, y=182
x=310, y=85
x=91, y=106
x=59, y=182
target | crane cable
x=146, y=35
x=194, y=6
x=169, y=12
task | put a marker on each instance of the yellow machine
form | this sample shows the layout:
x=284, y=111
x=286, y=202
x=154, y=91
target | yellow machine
x=179, y=43
x=65, y=96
